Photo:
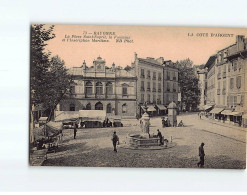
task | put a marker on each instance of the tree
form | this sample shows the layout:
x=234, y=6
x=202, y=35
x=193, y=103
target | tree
x=58, y=84
x=39, y=61
x=50, y=80
x=190, y=92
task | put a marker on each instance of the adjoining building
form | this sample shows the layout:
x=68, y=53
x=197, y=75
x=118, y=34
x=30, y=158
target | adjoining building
x=157, y=84
x=227, y=83
x=100, y=87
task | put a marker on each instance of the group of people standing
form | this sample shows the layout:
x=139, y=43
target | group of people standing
x=165, y=122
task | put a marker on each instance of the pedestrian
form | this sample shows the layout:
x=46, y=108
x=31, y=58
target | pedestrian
x=75, y=130
x=160, y=136
x=163, y=122
x=202, y=155
x=115, y=140
x=200, y=115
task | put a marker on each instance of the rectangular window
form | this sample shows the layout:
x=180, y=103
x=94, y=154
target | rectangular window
x=148, y=100
x=89, y=90
x=224, y=88
x=174, y=77
x=148, y=74
x=124, y=108
x=168, y=87
x=224, y=100
x=142, y=98
x=174, y=87
x=239, y=99
x=142, y=73
x=231, y=83
x=125, y=92
x=165, y=75
x=238, y=82
x=99, y=90
x=154, y=99
x=148, y=86
x=159, y=87
x=159, y=76
x=242, y=100
x=235, y=65
x=154, y=75
x=168, y=75
x=235, y=101
x=159, y=99
x=154, y=86
x=142, y=86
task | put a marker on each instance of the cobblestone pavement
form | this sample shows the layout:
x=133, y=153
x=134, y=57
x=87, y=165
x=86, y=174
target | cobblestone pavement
x=93, y=147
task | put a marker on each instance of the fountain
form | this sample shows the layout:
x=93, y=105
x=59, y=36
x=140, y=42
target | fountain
x=144, y=140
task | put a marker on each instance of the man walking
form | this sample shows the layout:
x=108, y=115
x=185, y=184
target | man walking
x=115, y=139
x=163, y=122
x=202, y=155
x=75, y=130
x=160, y=136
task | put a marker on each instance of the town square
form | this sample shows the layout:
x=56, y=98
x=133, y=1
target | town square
x=140, y=111
x=224, y=146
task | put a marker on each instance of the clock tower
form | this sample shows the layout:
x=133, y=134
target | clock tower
x=99, y=64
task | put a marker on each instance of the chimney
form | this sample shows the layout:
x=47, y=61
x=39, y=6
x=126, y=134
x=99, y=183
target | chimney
x=135, y=56
x=240, y=42
x=84, y=64
x=113, y=65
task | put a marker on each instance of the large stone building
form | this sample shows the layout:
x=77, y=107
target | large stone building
x=99, y=87
x=157, y=84
x=123, y=92
x=226, y=83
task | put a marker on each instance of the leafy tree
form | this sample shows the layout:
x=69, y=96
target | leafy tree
x=190, y=92
x=50, y=80
x=58, y=84
x=39, y=61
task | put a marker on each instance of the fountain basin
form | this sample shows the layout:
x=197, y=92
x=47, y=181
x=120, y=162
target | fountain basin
x=143, y=140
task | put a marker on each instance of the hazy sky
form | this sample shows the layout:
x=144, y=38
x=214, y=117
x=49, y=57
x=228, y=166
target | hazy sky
x=172, y=43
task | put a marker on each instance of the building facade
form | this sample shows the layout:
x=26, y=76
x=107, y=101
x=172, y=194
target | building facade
x=201, y=72
x=157, y=84
x=99, y=87
x=210, y=81
x=226, y=83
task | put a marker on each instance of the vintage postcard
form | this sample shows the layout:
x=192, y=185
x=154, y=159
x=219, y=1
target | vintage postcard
x=138, y=96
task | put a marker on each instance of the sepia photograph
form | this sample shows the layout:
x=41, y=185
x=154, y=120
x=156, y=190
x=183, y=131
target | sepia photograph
x=137, y=96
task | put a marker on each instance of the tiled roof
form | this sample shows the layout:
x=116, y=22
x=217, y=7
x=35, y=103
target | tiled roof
x=210, y=61
x=150, y=60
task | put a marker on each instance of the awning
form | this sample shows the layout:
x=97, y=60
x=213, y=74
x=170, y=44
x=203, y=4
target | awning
x=44, y=119
x=150, y=108
x=206, y=107
x=236, y=114
x=161, y=107
x=66, y=115
x=216, y=110
x=226, y=112
x=53, y=128
x=92, y=115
